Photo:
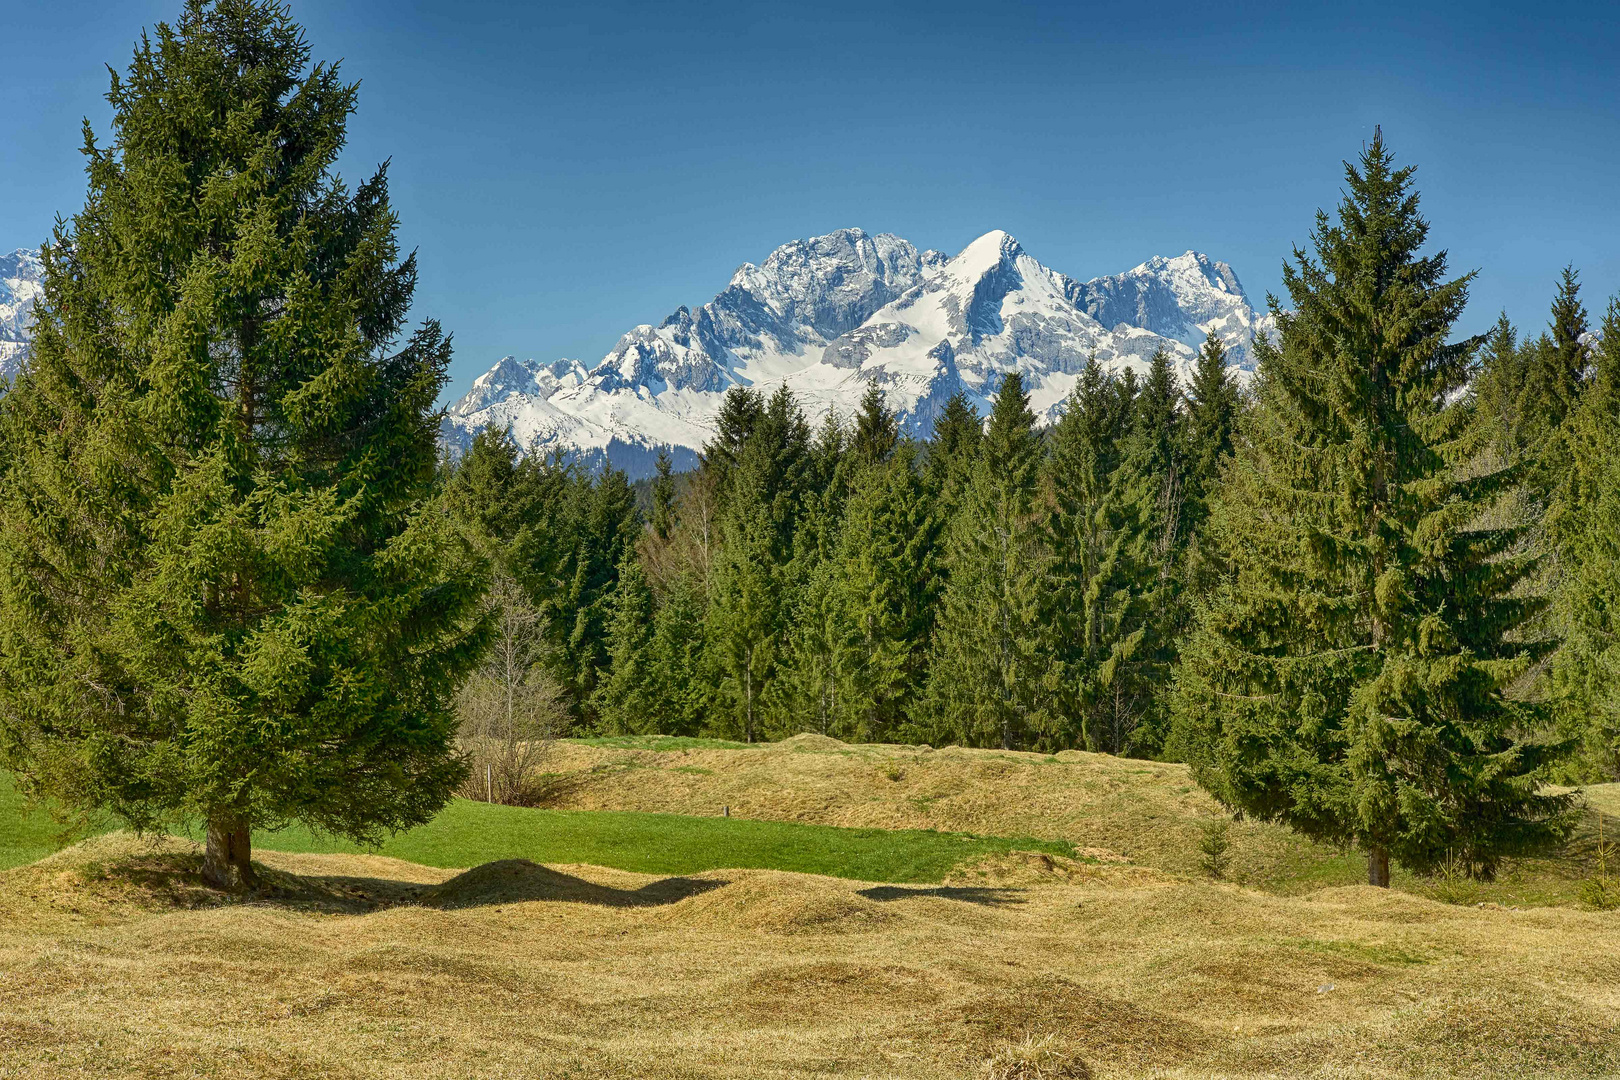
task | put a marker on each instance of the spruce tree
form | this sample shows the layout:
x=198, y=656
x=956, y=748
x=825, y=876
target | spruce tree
x=986, y=672
x=1499, y=392
x=953, y=449
x=746, y=609
x=876, y=430
x=629, y=699
x=1555, y=371
x=1212, y=411
x=663, y=497
x=225, y=598
x=885, y=584
x=682, y=670
x=1587, y=668
x=1097, y=610
x=1347, y=678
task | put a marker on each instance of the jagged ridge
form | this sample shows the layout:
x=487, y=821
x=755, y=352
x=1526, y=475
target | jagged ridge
x=828, y=315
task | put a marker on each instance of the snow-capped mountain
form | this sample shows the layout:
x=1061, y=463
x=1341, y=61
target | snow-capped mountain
x=829, y=315
x=22, y=278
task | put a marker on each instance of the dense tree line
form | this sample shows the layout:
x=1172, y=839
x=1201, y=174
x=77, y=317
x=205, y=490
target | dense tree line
x=1370, y=593
x=998, y=585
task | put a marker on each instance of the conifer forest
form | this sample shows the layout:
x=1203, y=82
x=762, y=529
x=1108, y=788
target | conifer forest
x=1370, y=592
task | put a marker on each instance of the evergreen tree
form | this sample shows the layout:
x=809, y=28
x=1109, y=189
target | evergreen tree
x=746, y=608
x=1347, y=678
x=985, y=669
x=482, y=490
x=222, y=597
x=1152, y=484
x=629, y=699
x=885, y=584
x=1499, y=392
x=953, y=450
x=1555, y=369
x=1212, y=411
x=741, y=411
x=876, y=430
x=682, y=676
x=1097, y=609
x=1587, y=668
x=663, y=497
x=804, y=694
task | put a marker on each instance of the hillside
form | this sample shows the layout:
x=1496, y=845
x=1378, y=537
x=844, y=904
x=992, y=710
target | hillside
x=1143, y=812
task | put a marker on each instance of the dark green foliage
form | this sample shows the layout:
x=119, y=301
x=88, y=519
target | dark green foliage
x=876, y=432
x=663, y=498
x=884, y=583
x=1587, y=671
x=1096, y=607
x=629, y=700
x=955, y=446
x=224, y=595
x=1347, y=677
x=987, y=668
x=1212, y=413
x=562, y=534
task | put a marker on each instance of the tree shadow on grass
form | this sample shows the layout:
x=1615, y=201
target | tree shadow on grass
x=967, y=894
x=161, y=877
x=513, y=881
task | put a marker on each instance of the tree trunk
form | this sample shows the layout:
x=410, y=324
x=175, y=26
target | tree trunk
x=228, y=860
x=1378, y=868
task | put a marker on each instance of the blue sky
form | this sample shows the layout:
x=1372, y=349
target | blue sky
x=569, y=170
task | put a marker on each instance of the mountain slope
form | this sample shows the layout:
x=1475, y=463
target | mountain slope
x=828, y=315
x=21, y=282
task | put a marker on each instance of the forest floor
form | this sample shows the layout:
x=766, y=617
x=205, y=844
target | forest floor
x=1120, y=960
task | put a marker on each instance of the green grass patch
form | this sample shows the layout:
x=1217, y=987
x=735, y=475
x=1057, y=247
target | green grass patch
x=26, y=838
x=468, y=833
x=661, y=742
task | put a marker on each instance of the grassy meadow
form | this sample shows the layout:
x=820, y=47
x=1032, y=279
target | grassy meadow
x=856, y=916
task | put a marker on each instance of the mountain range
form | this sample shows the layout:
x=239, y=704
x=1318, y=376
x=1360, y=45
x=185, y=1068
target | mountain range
x=829, y=315
x=21, y=278
x=826, y=317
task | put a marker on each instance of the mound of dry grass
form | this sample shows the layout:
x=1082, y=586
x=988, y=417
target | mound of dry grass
x=116, y=961
x=1112, y=809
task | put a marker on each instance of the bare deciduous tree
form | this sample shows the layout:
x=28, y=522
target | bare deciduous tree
x=510, y=709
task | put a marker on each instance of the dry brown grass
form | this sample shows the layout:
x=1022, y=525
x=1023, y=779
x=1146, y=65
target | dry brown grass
x=1145, y=812
x=116, y=961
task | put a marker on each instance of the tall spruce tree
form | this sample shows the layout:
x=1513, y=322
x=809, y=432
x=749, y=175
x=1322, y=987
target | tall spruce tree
x=664, y=517
x=1096, y=607
x=1347, y=678
x=953, y=450
x=1587, y=668
x=885, y=583
x=1554, y=375
x=986, y=672
x=222, y=598
x=1212, y=411
x=746, y=608
x=629, y=699
x=876, y=430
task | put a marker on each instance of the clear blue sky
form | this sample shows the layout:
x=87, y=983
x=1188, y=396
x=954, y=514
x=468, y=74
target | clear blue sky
x=569, y=170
